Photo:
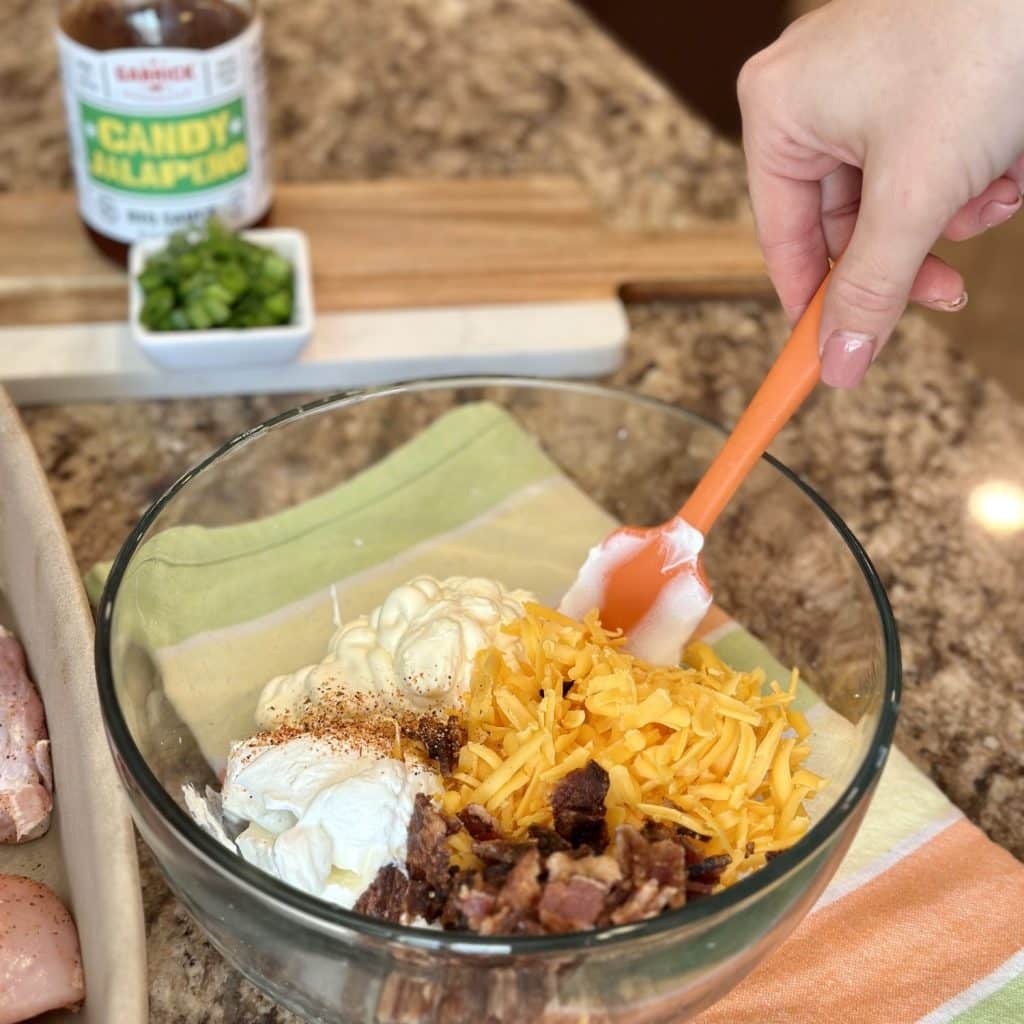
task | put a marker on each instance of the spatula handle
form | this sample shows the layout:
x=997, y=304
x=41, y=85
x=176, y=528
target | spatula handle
x=790, y=380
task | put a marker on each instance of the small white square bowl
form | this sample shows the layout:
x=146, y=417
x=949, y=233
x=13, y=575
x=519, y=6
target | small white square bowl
x=228, y=346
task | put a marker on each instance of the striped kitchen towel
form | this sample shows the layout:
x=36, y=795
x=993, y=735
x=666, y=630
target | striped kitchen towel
x=924, y=921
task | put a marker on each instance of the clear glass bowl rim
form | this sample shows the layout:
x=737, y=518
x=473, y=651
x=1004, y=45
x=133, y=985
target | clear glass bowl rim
x=326, y=914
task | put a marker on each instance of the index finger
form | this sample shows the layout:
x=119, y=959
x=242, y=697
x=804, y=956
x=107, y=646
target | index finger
x=787, y=212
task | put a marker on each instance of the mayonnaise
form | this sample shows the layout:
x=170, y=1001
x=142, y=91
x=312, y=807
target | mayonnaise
x=413, y=653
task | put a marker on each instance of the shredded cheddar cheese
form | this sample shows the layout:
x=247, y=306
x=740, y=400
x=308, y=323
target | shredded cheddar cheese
x=702, y=745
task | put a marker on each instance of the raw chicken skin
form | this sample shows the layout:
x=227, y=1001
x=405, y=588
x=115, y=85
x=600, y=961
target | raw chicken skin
x=40, y=963
x=26, y=778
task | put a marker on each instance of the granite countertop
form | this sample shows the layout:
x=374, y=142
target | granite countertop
x=506, y=87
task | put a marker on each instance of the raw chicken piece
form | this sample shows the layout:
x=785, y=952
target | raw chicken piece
x=40, y=963
x=26, y=778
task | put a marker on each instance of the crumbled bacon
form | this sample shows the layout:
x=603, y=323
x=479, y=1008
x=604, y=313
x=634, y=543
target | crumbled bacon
x=443, y=739
x=708, y=868
x=424, y=901
x=603, y=869
x=654, y=876
x=508, y=908
x=578, y=806
x=576, y=891
x=427, y=851
x=521, y=890
x=694, y=890
x=501, y=851
x=655, y=830
x=552, y=881
x=480, y=823
x=647, y=901
x=386, y=896
x=572, y=905
x=548, y=840
x=476, y=905
x=499, y=856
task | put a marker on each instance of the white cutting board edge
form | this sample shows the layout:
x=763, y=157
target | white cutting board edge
x=88, y=856
x=101, y=362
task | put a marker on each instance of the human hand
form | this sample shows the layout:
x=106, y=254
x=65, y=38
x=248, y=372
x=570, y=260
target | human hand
x=871, y=128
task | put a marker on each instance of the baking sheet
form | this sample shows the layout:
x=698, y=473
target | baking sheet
x=88, y=855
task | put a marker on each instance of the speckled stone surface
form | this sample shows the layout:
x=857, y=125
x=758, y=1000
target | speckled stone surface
x=485, y=87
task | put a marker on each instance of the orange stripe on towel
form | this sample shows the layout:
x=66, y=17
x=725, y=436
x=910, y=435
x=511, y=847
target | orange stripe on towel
x=906, y=942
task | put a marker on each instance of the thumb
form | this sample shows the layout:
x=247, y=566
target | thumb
x=871, y=283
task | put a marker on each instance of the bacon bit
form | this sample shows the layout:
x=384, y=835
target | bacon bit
x=443, y=739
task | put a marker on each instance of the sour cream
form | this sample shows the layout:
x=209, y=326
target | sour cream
x=323, y=813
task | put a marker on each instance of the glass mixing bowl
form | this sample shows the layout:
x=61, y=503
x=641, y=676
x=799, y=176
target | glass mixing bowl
x=780, y=561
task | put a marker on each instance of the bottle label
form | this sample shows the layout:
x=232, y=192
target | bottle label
x=163, y=138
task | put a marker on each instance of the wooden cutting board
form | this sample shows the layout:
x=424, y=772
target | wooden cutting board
x=411, y=278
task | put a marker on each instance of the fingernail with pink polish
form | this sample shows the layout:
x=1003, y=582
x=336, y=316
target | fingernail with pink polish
x=845, y=358
x=995, y=213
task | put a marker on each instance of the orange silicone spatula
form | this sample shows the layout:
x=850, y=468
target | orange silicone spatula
x=649, y=582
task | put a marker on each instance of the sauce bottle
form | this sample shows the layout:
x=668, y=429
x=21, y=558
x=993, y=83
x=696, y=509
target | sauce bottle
x=166, y=115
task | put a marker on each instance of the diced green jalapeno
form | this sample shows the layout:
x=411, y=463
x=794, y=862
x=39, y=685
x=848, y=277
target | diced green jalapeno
x=213, y=278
